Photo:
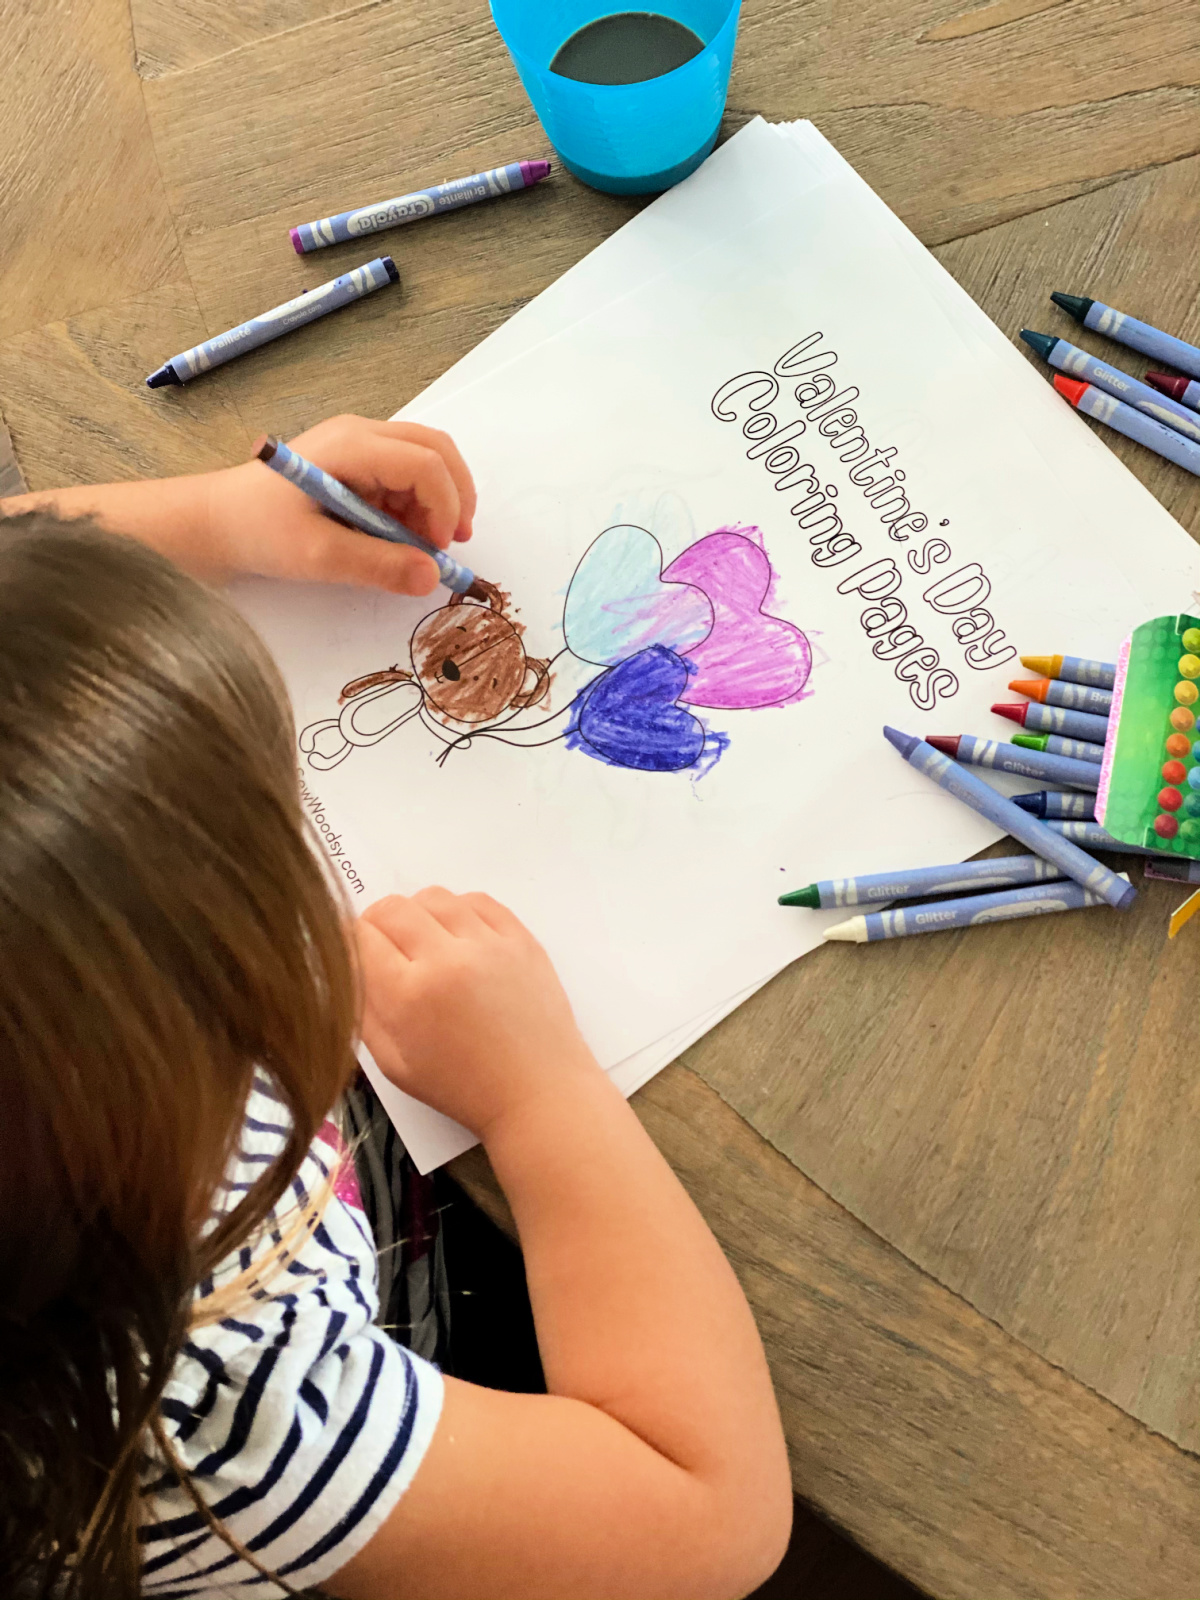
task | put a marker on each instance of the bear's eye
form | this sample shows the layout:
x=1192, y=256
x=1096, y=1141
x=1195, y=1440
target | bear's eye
x=450, y=670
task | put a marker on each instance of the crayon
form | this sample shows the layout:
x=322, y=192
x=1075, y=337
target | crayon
x=334, y=497
x=1078, y=363
x=1050, y=803
x=962, y=783
x=1091, y=836
x=1058, y=692
x=1185, y=390
x=490, y=185
x=1036, y=718
x=306, y=307
x=944, y=916
x=1074, y=669
x=1115, y=414
x=1053, y=744
x=1002, y=872
x=1003, y=757
x=1151, y=341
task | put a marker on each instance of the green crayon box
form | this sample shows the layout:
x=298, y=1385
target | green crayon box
x=1149, y=791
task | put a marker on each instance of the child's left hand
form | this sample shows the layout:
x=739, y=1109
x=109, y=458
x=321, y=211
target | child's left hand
x=259, y=523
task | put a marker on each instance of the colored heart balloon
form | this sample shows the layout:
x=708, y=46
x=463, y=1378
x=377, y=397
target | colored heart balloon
x=629, y=718
x=618, y=604
x=748, y=658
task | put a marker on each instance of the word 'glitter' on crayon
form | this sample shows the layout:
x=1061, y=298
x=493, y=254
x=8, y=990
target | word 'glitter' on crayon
x=1078, y=363
x=944, y=916
x=1003, y=757
x=1000, y=872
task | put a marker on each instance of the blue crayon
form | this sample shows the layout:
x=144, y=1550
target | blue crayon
x=1037, y=718
x=1074, y=669
x=1049, y=803
x=943, y=916
x=1124, y=419
x=962, y=783
x=1003, y=757
x=306, y=307
x=334, y=497
x=1002, y=872
x=1079, y=364
x=1091, y=836
x=1152, y=342
x=490, y=185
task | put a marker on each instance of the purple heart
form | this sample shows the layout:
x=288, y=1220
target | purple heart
x=628, y=716
x=749, y=658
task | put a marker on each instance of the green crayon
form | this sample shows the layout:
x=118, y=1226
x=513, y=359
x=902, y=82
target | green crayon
x=1054, y=744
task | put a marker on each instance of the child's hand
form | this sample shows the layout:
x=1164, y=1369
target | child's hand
x=462, y=1007
x=260, y=523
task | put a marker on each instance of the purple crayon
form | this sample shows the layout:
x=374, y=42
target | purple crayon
x=490, y=185
x=962, y=783
x=1185, y=390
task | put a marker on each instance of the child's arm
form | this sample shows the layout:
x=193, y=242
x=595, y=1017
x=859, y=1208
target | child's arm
x=656, y=1465
x=247, y=519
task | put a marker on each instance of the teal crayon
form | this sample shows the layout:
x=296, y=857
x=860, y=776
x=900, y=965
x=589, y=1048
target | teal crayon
x=1002, y=872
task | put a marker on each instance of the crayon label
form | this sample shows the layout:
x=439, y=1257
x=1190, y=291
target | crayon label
x=407, y=209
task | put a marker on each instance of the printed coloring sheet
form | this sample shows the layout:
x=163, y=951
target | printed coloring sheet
x=754, y=479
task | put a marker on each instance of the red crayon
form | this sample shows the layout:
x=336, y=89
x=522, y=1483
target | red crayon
x=1185, y=390
x=1014, y=713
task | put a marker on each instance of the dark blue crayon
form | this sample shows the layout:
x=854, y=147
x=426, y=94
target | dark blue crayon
x=1151, y=341
x=1079, y=364
x=1049, y=803
x=306, y=307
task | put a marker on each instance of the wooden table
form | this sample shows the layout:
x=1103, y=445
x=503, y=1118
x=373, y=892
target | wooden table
x=958, y=1176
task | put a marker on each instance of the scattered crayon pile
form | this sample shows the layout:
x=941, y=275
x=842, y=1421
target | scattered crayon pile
x=1093, y=724
x=1160, y=413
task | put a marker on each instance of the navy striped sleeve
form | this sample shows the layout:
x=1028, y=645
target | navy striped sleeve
x=300, y=1422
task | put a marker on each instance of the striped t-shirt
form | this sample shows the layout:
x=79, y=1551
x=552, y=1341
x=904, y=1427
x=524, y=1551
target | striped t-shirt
x=300, y=1422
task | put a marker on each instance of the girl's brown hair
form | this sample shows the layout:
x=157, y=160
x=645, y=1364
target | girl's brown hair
x=165, y=927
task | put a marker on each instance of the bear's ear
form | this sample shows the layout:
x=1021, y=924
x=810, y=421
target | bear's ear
x=533, y=691
x=494, y=597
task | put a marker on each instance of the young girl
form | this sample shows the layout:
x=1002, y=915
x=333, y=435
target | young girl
x=195, y=1398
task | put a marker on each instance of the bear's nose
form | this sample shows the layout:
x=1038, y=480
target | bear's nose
x=450, y=670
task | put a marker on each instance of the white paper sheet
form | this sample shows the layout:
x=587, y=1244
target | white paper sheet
x=654, y=891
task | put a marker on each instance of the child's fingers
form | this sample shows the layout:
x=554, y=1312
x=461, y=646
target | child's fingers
x=454, y=911
x=435, y=439
x=333, y=554
x=410, y=927
x=498, y=917
x=375, y=463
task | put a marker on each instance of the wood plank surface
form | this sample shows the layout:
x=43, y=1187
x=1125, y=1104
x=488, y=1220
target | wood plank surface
x=12, y=479
x=85, y=220
x=935, y=1439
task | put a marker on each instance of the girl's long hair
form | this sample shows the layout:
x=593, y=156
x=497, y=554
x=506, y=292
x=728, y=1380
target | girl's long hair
x=166, y=927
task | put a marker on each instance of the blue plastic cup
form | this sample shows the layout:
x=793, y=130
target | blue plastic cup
x=629, y=138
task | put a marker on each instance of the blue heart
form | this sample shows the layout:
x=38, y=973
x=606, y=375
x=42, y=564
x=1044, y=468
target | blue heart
x=628, y=716
x=618, y=604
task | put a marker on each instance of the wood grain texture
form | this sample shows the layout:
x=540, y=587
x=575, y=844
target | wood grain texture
x=173, y=35
x=12, y=479
x=85, y=220
x=935, y=1439
x=75, y=399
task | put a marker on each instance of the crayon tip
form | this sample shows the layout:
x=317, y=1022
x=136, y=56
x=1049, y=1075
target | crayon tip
x=477, y=590
x=534, y=171
x=1075, y=305
x=852, y=932
x=1072, y=389
x=802, y=897
x=1167, y=383
x=1043, y=343
x=296, y=245
x=1035, y=688
x=1043, y=664
x=1030, y=741
x=264, y=447
x=1015, y=713
x=1028, y=802
x=945, y=742
x=390, y=267
x=906, y=743
x=164, y=376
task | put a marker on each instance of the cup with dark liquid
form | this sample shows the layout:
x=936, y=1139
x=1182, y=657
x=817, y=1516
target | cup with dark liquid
x=631, y=100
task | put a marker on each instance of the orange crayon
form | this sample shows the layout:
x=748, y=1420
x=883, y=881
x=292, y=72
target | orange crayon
x=1072, y=696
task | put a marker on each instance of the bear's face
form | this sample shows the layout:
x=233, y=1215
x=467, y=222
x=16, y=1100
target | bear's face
x=470, y=662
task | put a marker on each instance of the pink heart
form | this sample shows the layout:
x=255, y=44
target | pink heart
x=750, y=658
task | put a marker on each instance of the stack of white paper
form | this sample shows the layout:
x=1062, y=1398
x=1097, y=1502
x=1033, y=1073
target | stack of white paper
x=756, y=477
